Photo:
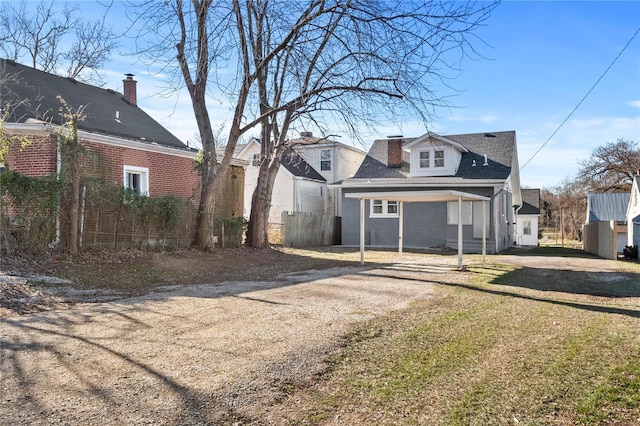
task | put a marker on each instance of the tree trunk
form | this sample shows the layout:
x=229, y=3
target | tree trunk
x=258, y=228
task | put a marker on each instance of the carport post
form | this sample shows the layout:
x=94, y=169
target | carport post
x=361, y=231
x=400, y=230
x=459, y=231
x=484, y=230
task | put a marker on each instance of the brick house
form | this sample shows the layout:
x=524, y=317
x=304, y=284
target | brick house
x=124, y=148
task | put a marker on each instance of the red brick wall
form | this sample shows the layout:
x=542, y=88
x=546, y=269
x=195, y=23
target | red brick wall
x=168, y=174
x=35, y=159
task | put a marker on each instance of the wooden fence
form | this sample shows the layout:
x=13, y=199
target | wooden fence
x=600, y=238
x=310, y=230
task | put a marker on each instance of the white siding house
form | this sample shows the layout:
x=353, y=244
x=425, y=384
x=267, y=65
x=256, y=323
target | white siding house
x=633, y=215
x=298, y=186
x=334, y=161
x=527, y=218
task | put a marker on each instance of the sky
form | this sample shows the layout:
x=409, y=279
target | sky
x=538, y=61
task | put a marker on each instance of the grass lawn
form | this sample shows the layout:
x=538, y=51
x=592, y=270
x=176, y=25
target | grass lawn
x=490, y=351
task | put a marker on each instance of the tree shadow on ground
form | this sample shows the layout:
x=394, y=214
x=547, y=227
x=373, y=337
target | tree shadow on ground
x=601, y=284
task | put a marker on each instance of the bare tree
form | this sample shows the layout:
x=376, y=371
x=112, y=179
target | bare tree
x=354, y=61
x=55, y=40
x=282, y=62
x=611, y=167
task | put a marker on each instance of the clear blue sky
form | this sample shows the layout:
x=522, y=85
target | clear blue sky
x=542, y=57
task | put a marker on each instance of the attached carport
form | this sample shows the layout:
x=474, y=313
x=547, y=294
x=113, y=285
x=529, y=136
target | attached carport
x=421, y=197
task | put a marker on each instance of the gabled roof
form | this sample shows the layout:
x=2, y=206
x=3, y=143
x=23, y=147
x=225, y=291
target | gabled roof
x=530, y=201
x=498, y=146
x=435, y=136
x=107, y=112
x=608, y=206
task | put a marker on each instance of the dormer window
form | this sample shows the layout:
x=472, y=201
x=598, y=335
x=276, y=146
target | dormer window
x=431, y=159
x=424, y=159
x=438, y=158
x=255, y=160
x=434, y=155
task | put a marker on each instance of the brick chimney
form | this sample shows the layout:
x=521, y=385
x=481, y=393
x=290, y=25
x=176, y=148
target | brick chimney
x=130, y=94
x=394, y=152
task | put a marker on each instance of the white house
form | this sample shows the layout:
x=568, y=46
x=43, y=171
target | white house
x=335, y=161
x=633, y=215
x=301, y=183
x=527, y=218
x=298, y=186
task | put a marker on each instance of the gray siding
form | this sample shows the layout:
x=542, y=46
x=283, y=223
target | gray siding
x=425, y=224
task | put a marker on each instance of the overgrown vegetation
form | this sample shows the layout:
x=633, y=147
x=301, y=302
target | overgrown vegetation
x=30, y=215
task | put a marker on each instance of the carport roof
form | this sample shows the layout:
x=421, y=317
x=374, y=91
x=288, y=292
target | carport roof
x=417, y=196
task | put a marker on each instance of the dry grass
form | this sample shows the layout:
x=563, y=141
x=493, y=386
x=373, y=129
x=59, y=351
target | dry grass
x=491, y=351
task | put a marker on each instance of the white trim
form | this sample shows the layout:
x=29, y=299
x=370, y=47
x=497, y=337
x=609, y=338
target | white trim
x=426, y=136
x=144, y=177
x=385, y=209
x=417, y=196
x=105, y=139
x=386, y=183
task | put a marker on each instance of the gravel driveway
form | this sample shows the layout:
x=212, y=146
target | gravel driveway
x=207, y=354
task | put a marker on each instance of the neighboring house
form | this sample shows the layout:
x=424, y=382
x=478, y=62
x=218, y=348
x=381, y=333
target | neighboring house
x=432, y=181
x=124, y=146
x=335, y=161
x=607, y=207
x=633, y=214
x=298, y=186
x=527, y=218
x=301, y=183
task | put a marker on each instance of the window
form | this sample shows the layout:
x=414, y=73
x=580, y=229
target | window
x=255, y=160
x=424, y=159
x=430, y=159
x=382, y=208
x=137, y=179
x=452, y=213
x=438, y=159
x=526, y=227
x=325, y=159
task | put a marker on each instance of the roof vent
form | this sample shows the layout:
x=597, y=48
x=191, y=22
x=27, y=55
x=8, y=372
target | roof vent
x=71, y=79
x=473, y=163
x=486, y=161
x=489, y=135
x=306, y=134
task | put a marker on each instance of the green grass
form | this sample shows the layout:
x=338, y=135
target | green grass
x=484, y=352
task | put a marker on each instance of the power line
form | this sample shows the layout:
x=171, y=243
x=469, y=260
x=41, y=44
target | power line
x=583, y=98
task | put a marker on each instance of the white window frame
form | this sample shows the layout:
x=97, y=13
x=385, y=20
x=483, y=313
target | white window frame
x=432, y=161
x=467, y=212
x=436, y=159
x=144, y=177
x=526, y=227
x=386, y=205
x=427, y=160
x=255, y=159
x=326, y=160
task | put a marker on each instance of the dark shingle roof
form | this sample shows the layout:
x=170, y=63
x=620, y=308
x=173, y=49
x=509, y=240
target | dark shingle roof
x=36, y=92
x=498, y=146
x=609, y=206
x=295, y=164
x=530, y=201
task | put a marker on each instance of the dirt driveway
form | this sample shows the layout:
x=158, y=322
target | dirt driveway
x=207, y=354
